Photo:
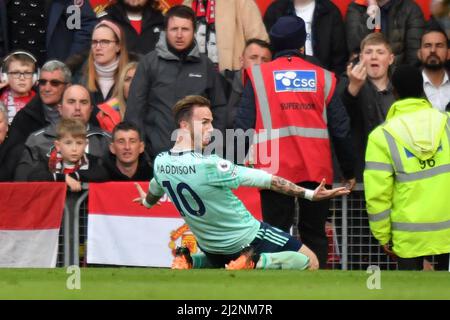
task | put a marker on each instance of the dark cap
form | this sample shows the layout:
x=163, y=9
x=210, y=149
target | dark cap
x=408, y=82
x=289, y=32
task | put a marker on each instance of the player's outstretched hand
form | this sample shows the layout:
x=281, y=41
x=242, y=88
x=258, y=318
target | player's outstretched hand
x=322, y=193
x=142, y=193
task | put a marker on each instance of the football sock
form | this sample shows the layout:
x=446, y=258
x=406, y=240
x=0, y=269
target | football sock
x=283, y=260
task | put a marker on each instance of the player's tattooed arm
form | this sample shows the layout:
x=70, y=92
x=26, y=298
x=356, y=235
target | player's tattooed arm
x=284, y=186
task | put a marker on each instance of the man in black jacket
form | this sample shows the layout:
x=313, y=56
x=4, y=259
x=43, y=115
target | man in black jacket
x=172, y=71
x=326, y=36
x=367, y=92
x=126, y=161
x=142, y=22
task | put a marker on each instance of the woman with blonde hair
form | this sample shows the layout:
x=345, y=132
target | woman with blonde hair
x=112, y=111
x=107, y=58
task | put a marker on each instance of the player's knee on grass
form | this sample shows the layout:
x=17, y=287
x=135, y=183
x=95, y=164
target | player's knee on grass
x=313, y=261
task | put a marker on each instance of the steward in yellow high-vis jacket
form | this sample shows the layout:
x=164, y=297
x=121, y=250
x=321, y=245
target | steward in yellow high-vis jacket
x=407, y=178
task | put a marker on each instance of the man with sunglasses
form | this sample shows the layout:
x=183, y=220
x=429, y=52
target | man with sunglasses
x=40, y=112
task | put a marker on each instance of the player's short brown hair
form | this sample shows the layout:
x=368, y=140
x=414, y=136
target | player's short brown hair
x=183, y=108
x=76, y=128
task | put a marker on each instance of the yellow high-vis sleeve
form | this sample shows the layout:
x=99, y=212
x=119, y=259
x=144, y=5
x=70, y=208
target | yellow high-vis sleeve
x=379, y=185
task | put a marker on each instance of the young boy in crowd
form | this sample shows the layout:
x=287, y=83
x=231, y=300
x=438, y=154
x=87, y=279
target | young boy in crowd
x=68, y=161
x=18, y=75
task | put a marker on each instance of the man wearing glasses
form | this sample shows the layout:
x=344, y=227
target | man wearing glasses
x=38, y=113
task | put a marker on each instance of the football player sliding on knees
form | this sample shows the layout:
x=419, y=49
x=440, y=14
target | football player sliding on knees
x=200, y=186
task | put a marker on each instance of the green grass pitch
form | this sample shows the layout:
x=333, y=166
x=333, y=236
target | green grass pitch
x=153, y=283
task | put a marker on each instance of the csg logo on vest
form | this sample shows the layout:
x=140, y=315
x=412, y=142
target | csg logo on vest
x=295, y=81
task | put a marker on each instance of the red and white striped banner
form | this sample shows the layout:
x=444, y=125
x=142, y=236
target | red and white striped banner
x=121, y=232
x=30, y=218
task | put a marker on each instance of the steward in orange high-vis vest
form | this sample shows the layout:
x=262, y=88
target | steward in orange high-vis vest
x=302, y=122
x=292, y=106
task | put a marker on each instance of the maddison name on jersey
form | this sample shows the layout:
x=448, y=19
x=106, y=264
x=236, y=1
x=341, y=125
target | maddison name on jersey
x=168, y=169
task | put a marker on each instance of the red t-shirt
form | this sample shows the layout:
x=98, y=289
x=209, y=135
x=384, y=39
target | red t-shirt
x=137, y=25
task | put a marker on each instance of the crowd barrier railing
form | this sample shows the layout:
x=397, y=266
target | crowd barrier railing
x=352, y=246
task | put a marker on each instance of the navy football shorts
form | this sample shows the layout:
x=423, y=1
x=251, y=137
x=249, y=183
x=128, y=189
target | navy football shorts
x=268, y=239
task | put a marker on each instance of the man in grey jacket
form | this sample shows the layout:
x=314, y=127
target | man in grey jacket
x=76, y=104
x=172, y=71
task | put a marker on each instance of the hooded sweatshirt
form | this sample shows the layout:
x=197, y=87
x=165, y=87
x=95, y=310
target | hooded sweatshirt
x=418, y=130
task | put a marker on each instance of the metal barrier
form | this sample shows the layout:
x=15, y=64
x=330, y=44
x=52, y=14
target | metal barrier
x=69, y=236
x=351, y=244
